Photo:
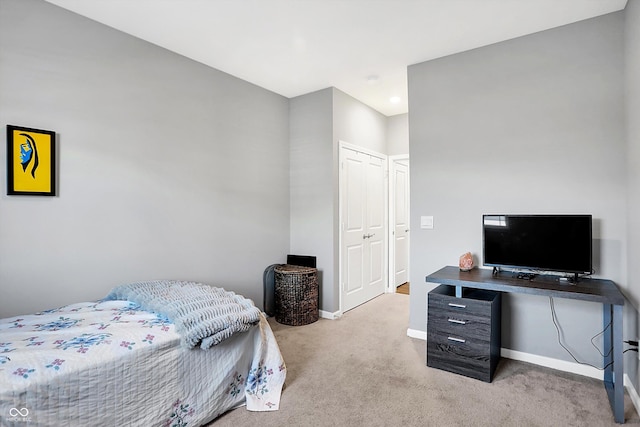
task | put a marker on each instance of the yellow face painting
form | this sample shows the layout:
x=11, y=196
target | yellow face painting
x=31, y=161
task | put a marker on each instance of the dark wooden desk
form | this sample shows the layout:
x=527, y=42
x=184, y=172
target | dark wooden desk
x=595, y=290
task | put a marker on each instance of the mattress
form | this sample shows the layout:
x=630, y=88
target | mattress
x=112, y=363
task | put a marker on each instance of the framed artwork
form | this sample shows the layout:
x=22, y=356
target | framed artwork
x=31, y=165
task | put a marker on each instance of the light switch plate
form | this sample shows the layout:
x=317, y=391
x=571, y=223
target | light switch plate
x=426, y=222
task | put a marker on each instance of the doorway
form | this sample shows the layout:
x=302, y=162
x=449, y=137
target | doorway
x=399, y=221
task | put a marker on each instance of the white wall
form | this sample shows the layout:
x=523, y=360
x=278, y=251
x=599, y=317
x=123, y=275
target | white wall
x=530, y=125
x=167, y=168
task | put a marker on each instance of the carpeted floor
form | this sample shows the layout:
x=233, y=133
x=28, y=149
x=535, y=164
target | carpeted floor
x=363, y=370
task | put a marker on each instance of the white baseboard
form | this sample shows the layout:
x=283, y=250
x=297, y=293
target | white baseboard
x=633, y=393
x=331, y=316
x=415, y=333
x=560, y=365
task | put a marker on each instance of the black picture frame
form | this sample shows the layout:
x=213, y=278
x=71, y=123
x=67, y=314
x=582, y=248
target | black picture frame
x=31, y=161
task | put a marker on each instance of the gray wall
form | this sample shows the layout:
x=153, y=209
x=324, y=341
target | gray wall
x=398, y=135
x=312, y=223
x=530, y=125
x=167, y=168
x=632, y=92
x=358, y=124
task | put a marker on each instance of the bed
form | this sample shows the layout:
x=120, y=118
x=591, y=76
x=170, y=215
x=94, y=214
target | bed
x=160, y=353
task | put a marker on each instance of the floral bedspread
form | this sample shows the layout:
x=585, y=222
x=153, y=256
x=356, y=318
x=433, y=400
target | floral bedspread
x=75, y=364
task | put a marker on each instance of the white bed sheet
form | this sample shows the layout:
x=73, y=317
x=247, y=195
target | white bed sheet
x=110, y=363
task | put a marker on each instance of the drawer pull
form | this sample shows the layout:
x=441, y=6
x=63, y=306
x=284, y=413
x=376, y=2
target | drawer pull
x=459, y=322
x=452, y=304
x=456, y=339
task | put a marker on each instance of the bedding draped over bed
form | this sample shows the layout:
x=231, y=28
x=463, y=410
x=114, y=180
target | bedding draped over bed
x=202, y=314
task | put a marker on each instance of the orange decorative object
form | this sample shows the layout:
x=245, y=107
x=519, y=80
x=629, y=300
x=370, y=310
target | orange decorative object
x=466, y=262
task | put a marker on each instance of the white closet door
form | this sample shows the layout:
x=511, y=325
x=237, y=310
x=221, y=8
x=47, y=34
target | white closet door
x=363, y=208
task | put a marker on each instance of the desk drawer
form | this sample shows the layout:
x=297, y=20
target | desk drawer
x=468, y=357
x=460, y=325
x=475, y=303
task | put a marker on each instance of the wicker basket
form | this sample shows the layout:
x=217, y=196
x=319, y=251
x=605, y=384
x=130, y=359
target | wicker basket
x=296, y=295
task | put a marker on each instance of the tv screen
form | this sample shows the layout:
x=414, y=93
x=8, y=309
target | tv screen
x=559, y=243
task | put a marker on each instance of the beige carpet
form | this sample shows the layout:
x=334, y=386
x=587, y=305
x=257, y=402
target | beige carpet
x=363, y=370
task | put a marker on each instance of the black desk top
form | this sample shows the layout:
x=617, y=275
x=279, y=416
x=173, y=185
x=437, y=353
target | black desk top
x=596, y=290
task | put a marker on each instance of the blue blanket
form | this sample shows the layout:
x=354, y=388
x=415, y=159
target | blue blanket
x=203, y=315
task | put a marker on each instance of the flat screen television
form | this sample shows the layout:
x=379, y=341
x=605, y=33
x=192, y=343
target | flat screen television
x=554, y=243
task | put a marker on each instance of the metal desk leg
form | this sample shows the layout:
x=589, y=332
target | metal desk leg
x=613, y=381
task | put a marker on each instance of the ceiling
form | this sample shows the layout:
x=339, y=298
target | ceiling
x=362, y=47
